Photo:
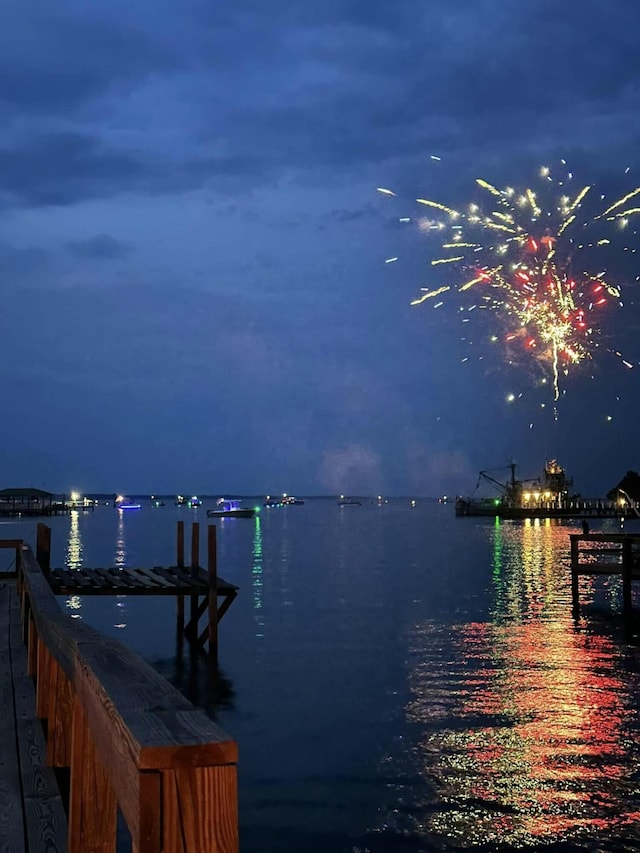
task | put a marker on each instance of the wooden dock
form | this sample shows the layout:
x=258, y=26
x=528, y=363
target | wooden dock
x=605, y=554
x=208, y=593
x=130, y=741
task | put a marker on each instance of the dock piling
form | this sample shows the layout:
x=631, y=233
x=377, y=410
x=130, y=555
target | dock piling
x=195, y=565
x=180, y=598
x=212, y=568
x=605, y=554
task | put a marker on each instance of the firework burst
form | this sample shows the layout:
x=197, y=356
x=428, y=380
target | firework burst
x=537, y=258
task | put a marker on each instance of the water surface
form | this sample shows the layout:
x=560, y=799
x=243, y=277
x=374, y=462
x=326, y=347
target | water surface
x=397, y=679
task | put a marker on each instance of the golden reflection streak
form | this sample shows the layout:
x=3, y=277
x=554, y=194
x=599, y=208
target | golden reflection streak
x=538, y=710
x=257, y=580
x=73, y=559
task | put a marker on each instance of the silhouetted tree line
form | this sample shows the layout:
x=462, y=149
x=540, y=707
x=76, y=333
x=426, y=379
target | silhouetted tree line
x=630, y=484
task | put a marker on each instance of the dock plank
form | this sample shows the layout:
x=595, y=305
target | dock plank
x=11, y=818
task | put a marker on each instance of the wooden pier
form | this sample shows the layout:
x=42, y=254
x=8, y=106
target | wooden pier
x=208, y=593
x=605, y=554
x=73, y=698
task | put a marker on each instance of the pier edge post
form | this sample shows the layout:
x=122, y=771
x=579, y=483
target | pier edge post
x=212, y=568
x=195, y=565
x=180, y=598
x=626, y=577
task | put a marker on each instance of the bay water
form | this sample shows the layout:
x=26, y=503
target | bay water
x=397, y=679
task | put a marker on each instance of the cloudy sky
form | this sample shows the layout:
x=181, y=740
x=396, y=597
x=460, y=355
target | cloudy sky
x=193, y=249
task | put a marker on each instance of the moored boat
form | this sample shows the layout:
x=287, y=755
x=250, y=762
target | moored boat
x=546, y=497
x=230, y=509
x=285, y=500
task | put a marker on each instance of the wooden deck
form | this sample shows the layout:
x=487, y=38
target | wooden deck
x=172, y=580
x=208, y=593
x=32, y=815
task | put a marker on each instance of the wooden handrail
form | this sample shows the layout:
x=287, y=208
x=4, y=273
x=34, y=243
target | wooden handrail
x=130, y=738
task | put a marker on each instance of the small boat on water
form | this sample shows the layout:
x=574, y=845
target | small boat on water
x=285, y=500
x=348, y=501
x=194, y=500
x=124, y=503
x=230, y=509
x=546, y=497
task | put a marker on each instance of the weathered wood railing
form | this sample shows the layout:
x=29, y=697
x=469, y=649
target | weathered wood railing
x=605, y=554
x=129, y=738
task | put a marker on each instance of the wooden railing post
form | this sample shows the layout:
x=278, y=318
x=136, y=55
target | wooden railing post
x=60, y=724
x=200, y=809
x=43, y=548
x=92, y=803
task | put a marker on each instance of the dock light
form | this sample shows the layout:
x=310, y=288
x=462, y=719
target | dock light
x=119, y=499
x=379, y=497
x=413, y=503
x=622, y=501
x=75, y=496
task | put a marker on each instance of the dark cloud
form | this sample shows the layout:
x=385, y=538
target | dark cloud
x=62, y=168
x=102, y=246
x=55, y=59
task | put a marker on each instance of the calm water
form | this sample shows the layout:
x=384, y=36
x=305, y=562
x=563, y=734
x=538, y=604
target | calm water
x=397, y=679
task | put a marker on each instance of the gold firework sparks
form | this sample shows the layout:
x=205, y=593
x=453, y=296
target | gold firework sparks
x=520, y=260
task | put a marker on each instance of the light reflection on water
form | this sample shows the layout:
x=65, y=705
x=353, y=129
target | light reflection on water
x=524, y=723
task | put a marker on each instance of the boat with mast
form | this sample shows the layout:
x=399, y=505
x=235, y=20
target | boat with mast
x=546, y=497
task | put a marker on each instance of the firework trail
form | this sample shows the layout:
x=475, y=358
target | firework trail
x=529, y=259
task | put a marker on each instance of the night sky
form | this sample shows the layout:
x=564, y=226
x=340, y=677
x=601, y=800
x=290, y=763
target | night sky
x=193, y=249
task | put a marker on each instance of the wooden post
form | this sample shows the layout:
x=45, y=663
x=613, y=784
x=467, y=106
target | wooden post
x=627, y=559
x=200, y=809
x=212, y=567
x=92, y=803
x=44, y=672
x=575, y=555
x=43, y=548
x=60, y=720
x=195, y=565
x=180, y=598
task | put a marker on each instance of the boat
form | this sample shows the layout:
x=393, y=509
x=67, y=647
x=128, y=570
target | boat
x=181, y=500
x=230, y=509
x=547, y=497
x=123, y=503
x=285, y=500
x=348, y=501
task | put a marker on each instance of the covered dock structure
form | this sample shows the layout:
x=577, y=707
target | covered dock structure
x=30, y=501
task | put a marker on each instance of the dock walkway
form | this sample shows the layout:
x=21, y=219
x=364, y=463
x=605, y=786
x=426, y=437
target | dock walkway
x=32, y=814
